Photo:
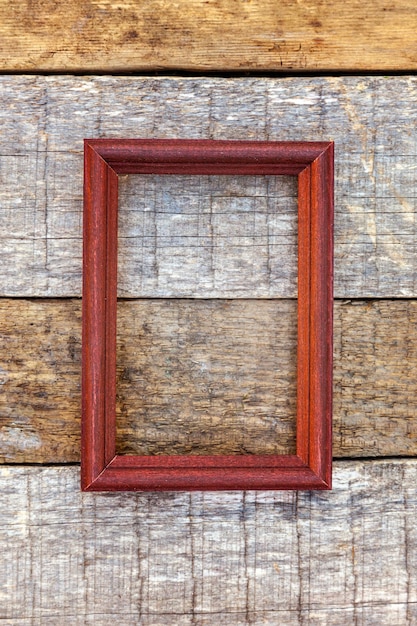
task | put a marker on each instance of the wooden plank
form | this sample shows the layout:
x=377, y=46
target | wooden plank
x=341, y=557
x=45, y=118
x=226, y=35
x=208, y=236
x=199, y=377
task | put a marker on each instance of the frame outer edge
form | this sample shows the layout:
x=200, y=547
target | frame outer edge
x=329, y=154
x=321, y=316
x=99, y=333
x=93, y=317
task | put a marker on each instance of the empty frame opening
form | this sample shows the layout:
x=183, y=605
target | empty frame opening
x=207, y=315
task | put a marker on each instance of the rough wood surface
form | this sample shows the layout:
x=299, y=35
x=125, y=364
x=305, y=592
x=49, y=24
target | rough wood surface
x=208, y=35
x=337, y=558
x=200, y=376
x=44, y=120
x=208, y=236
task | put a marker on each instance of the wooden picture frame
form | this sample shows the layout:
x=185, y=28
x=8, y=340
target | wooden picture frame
x=310, y=468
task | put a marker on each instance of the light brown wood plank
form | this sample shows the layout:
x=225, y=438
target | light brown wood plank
x=44, y=120
x=206, y=376
x=208, y=35
x=341, y=557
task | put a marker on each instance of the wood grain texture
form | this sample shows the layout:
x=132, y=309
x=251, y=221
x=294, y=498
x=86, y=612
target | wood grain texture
x=195, y=377
x=233, y=558
x=44, y=120
x=208, y=236
x=208, y=35
x=184, y=392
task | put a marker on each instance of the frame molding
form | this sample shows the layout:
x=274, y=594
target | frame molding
x=310, y=467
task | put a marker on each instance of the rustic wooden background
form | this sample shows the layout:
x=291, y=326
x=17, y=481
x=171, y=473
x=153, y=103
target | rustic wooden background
x=209, y=368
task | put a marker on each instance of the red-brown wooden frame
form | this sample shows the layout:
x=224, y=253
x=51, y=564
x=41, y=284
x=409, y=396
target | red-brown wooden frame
x=310, y=468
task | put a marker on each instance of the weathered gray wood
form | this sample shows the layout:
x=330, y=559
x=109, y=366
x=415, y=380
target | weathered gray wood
x=198, y=376
x=340, y=558
x=208, y=236
x=44, y=120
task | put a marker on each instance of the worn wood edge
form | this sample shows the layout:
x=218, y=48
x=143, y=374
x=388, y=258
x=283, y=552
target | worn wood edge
x=374, y=381
x=209, y=36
